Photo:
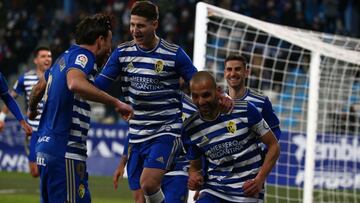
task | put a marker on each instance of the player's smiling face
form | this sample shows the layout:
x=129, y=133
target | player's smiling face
x=205, y=98
x=43, y=60
x=143, y=31
x=235, y=73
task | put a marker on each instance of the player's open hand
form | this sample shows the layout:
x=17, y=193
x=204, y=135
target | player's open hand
x=119, y=172
x=125, y=110
x=195, y=181
x=26, y=127
x=252, y=187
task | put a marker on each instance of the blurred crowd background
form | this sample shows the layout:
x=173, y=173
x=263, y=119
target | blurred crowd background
x=26, y=24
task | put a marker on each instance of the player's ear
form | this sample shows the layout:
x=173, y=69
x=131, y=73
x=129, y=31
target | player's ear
x=155, y=24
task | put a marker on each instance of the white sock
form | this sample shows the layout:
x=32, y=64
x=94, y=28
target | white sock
x=157, y=197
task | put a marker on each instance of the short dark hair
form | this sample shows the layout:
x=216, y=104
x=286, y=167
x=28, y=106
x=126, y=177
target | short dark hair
x=237, y=58
x=40, y=48
x=91, y=27
x=145, y=9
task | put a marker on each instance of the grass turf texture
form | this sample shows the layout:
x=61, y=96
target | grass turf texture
x=22, y=188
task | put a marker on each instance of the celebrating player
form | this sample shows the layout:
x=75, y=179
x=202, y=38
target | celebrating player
x=24, y=85
x=235, y=172
x=61, y=147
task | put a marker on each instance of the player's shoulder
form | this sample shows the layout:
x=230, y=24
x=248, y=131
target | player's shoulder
x=126, y=44
x=169, y=46
x=30, y=72
x=240, y=105
x=257, y=94
x=190, y=120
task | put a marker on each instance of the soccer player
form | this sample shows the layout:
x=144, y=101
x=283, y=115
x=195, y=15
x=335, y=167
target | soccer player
x=65, y=121
x=235, y=172
x=12, y=105
x=149, y=69
x=24, y=85
x=235, y=73
x=174, y=183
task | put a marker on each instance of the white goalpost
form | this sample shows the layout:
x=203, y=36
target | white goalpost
x=313, y=81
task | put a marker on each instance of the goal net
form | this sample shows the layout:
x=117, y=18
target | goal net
x=313, y=81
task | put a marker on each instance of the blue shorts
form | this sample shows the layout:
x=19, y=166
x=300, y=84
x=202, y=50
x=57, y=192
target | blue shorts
x=155, y=153
x=31, y=146
x=175, y=188
x=62, y=180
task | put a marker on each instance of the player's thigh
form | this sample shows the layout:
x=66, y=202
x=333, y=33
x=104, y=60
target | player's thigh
x=63, y=180
x=175, y=188
x=161, y=152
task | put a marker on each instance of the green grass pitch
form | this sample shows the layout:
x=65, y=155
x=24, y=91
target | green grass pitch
x=22, y=188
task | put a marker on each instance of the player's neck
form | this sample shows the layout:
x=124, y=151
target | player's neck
x=212, y=115
x=39, y=71
x=237, y=93
x=151, y=45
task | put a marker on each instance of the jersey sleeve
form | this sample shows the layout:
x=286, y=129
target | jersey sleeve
x=3, y=85
x=110, y=72
x=255, y=121
x=184, y=65
x=19, y=86
x=12, y=105
x=82, y=61
x=270, y=117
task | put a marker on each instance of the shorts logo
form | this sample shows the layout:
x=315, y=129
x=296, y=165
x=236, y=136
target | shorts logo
x=160, y=159
x=159, y=66
x=231, y=126
x=81, y=191
x=81, y=60
x=80, y=170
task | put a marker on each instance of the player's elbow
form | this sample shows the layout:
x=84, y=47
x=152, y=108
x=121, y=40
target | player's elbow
x=73, y=85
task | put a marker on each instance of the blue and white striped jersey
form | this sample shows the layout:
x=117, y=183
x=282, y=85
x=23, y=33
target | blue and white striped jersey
x=150, y=83
x=66, y=117
x=264, y=106
x=231, y=150
x=181, y=163
x=23, y=86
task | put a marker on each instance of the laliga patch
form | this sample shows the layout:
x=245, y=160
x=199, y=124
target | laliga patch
x=81, y=190
x=159, y=66
x=81, y=60
x=231, y=126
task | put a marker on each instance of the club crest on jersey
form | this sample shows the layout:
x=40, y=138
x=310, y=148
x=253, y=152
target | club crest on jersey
x=81, y=60
x=81, y=191
x=231, y=126
x=159, y=66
